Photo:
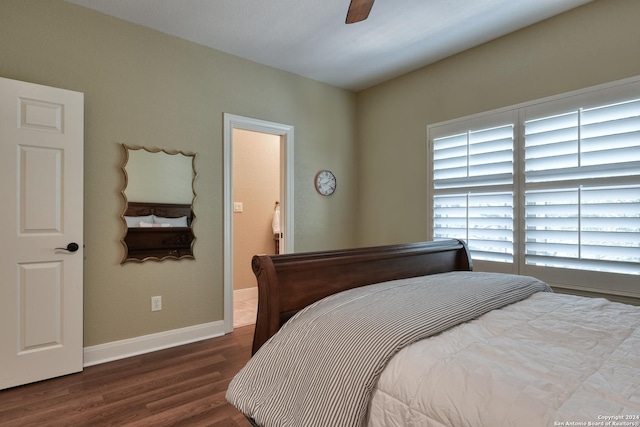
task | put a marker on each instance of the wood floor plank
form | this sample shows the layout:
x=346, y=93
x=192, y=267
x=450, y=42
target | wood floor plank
x=180, y=386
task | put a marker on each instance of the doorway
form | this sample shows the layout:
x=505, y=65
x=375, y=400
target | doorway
x=284, y=135
x=256, y=228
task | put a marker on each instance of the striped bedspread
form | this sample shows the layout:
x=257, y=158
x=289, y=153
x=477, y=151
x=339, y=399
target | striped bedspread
x=321, y=367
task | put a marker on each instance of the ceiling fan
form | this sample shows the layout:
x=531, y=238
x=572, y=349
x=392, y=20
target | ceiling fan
x=359, y=10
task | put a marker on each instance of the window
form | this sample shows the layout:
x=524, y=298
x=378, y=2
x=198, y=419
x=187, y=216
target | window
x=551, y=187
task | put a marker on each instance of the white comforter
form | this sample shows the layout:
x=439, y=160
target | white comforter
x=550, y=360
x=320, y=369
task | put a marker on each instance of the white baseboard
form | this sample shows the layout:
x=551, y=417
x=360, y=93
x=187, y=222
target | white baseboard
x=116, y=350
x=245, y=294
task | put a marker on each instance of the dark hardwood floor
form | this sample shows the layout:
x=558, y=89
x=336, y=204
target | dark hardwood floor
x=182, y=386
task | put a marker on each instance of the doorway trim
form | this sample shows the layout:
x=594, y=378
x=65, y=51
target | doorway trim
x=231, y=122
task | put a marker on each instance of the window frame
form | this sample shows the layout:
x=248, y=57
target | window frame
x=580, y=280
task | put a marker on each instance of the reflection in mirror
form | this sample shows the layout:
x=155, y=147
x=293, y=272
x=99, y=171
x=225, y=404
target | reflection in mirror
x=158, y=194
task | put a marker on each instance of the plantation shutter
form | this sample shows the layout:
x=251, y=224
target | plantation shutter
x=582, y=198
x=473, y=190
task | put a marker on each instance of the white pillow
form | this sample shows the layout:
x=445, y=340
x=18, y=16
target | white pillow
x=149, y=224
x=134, y=221
x=173, y=222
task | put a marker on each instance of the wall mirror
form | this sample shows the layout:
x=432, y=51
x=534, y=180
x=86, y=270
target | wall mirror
x=158, y=194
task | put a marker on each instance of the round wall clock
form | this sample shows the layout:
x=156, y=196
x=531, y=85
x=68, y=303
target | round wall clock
x=325, y=182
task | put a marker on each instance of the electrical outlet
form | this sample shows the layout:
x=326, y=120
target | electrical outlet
x=156, y=303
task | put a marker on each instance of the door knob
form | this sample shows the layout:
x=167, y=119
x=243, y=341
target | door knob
x=71, y=247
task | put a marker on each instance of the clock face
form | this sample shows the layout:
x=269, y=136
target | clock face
x=325, y=182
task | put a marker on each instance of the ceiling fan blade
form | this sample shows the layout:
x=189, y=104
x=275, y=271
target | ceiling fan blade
x=359, y=10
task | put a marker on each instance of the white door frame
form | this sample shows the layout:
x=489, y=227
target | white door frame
x=232, y=122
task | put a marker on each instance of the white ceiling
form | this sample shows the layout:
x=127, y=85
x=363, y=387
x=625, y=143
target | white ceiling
x=310, y=38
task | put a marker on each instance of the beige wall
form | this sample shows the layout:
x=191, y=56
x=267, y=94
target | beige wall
x=593, y=44
x=256, y=184
x=146, y=88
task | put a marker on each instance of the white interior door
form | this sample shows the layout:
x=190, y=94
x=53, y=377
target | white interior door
x=41, y=162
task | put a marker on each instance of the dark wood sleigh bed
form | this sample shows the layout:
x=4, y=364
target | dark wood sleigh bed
x=289, y=283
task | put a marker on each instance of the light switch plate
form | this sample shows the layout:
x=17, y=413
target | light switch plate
x=156, y=303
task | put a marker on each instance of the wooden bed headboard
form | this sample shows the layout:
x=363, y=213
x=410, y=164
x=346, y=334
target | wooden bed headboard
x=168, y=210
x=289, y=282
x=158, y=243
